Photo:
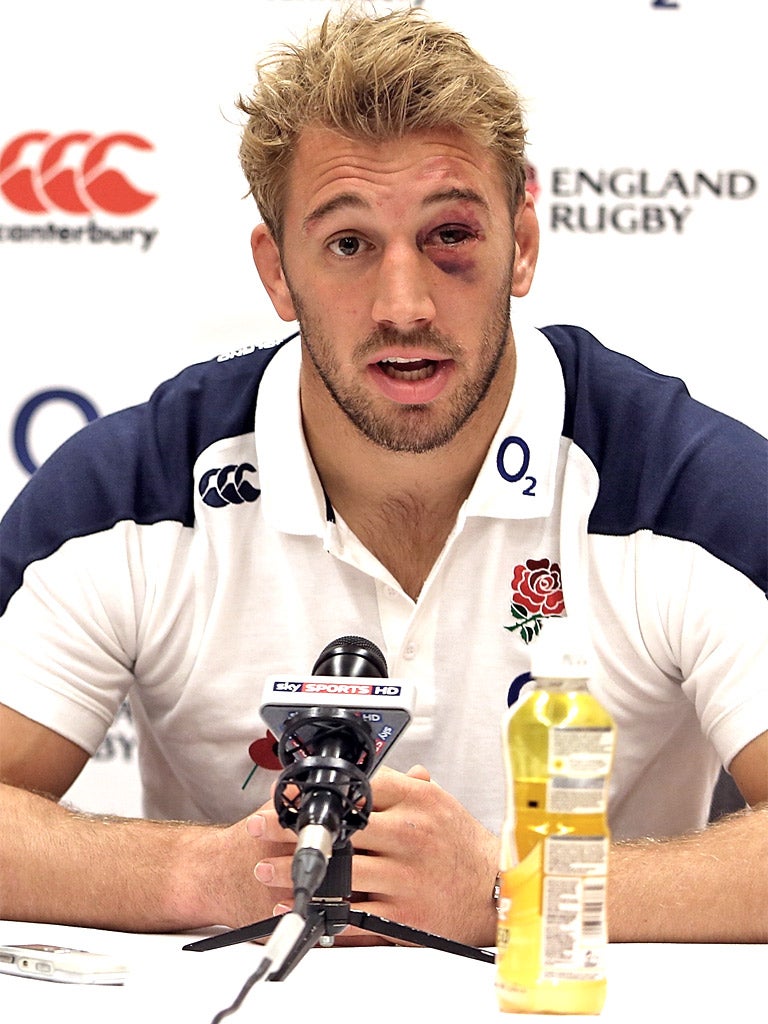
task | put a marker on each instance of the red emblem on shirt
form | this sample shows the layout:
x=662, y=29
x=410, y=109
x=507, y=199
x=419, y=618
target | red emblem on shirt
x=537, y=593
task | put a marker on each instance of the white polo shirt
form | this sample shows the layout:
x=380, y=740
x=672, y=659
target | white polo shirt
x=185, y=551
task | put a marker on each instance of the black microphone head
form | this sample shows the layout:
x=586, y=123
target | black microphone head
x=351, y=656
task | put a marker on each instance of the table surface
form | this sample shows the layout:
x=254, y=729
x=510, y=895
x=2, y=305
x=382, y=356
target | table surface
x=658, y=983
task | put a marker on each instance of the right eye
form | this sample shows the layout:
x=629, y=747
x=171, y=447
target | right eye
x=346, y=245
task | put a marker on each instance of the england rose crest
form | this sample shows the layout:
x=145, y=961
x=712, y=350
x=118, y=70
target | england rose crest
x=537, y=593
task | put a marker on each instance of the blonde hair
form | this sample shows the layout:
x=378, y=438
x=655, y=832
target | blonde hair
x=375, y=78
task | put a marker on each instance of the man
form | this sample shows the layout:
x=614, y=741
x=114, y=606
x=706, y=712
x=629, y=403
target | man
x=413, y=472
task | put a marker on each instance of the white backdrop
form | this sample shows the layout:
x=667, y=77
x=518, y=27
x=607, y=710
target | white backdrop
x=124, y=234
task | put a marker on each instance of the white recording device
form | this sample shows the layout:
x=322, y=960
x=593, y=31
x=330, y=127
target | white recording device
x=59, y=963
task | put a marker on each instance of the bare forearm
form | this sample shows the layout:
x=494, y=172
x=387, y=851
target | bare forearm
x=60, y=866
x=710, y=886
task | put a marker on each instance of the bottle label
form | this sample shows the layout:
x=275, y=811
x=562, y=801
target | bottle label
x=578, y=763
x=573, y=910
x=580, y=751
x=577, y=796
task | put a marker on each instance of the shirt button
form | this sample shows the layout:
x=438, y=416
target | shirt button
x=390, y=592
x=410, y=651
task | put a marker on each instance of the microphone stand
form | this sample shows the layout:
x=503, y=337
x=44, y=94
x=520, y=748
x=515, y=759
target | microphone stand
x=331, y=751
x=329, y=914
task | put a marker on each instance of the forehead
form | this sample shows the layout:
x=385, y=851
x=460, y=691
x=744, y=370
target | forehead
x=329, y=168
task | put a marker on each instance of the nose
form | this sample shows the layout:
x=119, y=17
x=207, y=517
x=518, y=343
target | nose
x=402, y=297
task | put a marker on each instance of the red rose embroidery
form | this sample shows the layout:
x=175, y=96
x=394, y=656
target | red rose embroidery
x=537, y=592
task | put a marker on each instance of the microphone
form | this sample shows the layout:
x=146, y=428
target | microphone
x=331, y=738
x=336, y=794
x=350, y=656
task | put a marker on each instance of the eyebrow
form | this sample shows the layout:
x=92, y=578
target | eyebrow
x=344, y=199
x=448, y=195
x=352, y=201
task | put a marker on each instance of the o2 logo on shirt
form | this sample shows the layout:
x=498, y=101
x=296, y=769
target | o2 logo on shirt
x=516, y=686
x=512, y=461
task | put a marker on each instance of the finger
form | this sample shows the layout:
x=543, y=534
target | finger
x=391, y=787
x=379, y=878
x=264, y=824
x=352, y=936
x=275, y=872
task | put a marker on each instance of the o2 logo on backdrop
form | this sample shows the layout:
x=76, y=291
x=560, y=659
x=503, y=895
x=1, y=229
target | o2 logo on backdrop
x=73, y=173
x=56, y=406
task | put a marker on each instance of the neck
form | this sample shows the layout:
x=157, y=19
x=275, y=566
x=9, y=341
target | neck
x=402, y=506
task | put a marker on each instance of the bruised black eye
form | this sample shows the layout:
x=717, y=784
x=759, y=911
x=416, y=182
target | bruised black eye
x=452, y=235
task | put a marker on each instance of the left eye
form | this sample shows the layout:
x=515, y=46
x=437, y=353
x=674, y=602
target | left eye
x=449, y=234
x=347, y=245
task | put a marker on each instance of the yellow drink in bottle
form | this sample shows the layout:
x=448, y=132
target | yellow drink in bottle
x=558, y=746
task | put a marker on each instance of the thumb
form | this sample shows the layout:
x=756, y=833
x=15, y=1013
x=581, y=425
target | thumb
x=418, y=771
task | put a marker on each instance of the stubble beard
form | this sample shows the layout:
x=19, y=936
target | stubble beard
x=412, y=429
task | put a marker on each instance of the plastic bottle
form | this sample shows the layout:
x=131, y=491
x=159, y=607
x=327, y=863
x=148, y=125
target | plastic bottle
x=558, y=747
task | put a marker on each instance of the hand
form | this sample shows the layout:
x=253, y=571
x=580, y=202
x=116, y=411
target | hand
x=422, y=860
x=277, y=845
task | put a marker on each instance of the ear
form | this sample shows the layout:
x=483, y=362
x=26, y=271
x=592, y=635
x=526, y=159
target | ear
x=526, y=226
x=266, y=256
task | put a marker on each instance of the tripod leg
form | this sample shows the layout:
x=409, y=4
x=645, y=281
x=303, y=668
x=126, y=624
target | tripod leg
x=393, y=930
x=260, y=930
x=314, y=928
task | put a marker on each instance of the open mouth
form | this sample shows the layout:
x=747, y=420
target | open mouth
x=408, y=369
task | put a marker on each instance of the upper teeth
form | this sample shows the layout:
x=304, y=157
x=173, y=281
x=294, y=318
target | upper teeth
x=408, y=369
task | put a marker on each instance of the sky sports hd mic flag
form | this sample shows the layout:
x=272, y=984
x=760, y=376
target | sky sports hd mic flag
x=386, y=708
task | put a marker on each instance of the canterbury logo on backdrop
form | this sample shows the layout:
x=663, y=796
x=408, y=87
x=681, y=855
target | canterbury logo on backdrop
x=40, y=172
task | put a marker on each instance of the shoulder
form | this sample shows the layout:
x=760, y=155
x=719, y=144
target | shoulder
x=604, y=387
x=200, y=405
x=153, y=445
x=134, y=465
x=665, y=462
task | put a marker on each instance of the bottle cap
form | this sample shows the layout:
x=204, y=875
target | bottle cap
x=560, y=652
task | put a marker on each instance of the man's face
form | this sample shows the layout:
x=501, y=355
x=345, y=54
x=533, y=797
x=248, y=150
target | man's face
x=398, y=260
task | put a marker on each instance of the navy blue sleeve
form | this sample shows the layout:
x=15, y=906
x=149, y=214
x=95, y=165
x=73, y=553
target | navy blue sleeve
x=135, y=464
x=666, y=463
